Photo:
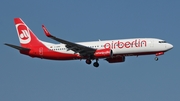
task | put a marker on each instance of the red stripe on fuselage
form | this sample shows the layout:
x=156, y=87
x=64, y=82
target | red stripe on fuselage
x=41, y=51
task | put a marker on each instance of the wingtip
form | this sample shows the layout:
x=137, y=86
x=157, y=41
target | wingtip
x=43, y=26
x=46, y=31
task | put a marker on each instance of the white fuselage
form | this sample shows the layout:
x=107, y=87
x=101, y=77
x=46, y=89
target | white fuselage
x=119, y=46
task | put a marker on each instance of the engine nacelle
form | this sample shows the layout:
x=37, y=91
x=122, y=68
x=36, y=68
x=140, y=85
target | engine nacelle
x=103, y=53
x=116, y=59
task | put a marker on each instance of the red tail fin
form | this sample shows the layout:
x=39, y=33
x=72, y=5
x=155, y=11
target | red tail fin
x=26, y=37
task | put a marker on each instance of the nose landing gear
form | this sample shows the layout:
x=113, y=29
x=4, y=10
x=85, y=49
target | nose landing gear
x=156, y=58
x=158, y=54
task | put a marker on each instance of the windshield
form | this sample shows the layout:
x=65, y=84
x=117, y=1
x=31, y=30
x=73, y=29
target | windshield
x=162, y=41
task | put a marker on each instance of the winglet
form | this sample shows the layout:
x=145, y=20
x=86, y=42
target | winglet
x=46, y=31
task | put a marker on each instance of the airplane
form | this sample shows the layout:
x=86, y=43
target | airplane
x=113, y=51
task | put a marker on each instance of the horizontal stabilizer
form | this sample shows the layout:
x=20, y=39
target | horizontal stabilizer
x=17, y=47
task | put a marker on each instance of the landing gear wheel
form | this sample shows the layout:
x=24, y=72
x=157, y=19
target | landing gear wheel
x=96, y=64
x=88, y=61
x=156, y=58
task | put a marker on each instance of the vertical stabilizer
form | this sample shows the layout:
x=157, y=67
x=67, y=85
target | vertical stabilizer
x=26, y=37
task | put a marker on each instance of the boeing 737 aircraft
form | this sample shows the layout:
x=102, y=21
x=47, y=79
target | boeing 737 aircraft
x=113, y=51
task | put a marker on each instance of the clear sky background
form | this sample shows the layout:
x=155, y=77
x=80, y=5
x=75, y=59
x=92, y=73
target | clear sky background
x=23, y=78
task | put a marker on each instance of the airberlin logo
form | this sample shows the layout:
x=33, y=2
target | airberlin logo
x=126, y=44
x=23, y=33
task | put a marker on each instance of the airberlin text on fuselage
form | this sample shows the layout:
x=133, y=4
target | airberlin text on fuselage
x=125, y=44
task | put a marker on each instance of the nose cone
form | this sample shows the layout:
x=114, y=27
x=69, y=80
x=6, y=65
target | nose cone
x=169, y=46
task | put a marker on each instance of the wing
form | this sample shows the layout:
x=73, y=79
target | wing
x=77, y=48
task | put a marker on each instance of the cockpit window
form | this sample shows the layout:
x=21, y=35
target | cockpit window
x=162, y=41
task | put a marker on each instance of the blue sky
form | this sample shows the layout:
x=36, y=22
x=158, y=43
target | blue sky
x=138, y=79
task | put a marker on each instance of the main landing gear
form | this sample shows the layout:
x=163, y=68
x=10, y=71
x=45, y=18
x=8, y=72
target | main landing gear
x=95, y=64
x=88, y=61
